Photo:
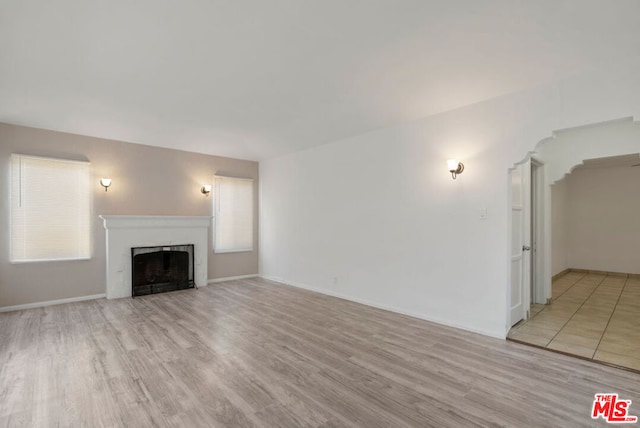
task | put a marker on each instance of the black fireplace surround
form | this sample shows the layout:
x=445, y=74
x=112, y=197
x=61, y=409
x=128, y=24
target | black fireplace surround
x=160, y=269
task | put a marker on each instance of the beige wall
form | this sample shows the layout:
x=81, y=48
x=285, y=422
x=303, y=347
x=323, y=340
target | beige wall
x=602, y=219
x=146, y=181
x=595, y=220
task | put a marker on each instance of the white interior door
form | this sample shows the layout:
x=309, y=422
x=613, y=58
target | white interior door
x=520, y=242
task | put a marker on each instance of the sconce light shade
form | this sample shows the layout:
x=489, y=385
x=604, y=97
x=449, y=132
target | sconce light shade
x=455, y=167
x=206, y=189
x=105, y=182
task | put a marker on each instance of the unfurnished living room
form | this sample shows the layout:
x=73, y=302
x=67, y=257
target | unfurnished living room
x=293, y=213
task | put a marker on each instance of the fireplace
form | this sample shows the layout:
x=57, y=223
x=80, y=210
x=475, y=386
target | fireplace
x=124, y=232
x=160, y=269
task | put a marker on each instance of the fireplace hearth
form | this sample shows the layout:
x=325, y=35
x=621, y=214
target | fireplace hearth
x=162, y=268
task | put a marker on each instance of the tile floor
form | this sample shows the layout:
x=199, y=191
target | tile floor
x=591, y=315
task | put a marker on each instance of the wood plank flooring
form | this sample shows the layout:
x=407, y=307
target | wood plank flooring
x=257, y=353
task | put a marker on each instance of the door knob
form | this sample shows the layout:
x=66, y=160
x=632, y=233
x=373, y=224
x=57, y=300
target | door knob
x=526, y=248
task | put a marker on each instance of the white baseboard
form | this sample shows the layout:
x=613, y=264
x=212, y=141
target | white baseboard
x=490, y=333
x=231, y=278
x=51, y=303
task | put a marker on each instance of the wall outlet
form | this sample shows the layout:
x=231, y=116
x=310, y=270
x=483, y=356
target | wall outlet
x=483, y=213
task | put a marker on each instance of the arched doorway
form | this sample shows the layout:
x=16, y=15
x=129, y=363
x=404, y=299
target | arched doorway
x=576, y=293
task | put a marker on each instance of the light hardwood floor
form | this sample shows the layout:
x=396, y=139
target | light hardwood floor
x=258, y=353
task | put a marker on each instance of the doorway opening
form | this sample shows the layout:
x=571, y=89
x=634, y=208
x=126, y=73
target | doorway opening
x=595, y=301
x=529, y=223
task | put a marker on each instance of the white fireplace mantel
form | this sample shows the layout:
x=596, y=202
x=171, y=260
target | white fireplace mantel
x=124, y=232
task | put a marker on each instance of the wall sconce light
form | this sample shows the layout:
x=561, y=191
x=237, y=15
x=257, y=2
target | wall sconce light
x=206, y=189
x=455, y=167
x=105, y=182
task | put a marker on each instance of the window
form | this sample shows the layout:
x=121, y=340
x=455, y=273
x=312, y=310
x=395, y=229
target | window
x=50, y=209
x=233, y=230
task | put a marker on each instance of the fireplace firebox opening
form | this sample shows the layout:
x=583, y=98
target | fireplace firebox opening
x=160, y=269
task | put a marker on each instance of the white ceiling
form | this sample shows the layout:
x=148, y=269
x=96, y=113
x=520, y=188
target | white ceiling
x=255, y=79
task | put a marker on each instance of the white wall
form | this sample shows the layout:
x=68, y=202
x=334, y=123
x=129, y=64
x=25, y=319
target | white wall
x=604, y=227
x=567, y=149
x=559, y=228
x=377, y=218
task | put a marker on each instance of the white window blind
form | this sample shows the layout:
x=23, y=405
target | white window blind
x=50, y=209
x=233, y=201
